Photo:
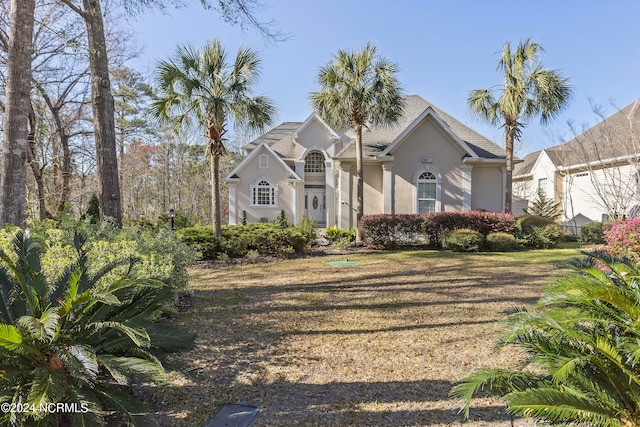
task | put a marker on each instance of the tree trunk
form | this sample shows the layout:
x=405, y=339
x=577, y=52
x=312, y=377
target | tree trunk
x=13, y=175
x=216, y=217
x=508, y=186
x=35, y=165
x=103, y=114
x=360, y=186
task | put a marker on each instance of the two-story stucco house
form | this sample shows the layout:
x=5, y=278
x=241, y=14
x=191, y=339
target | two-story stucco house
x=427, y=162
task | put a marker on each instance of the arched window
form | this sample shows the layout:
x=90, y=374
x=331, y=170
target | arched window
x=314, y=163
x=427, y=192
x=263, y=193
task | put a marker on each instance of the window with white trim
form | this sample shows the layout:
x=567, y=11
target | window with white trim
x=543, y=186
x=314, y=163
x=263, y=194
x=427, y=192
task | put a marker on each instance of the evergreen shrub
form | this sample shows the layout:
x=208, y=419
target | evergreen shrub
x=592, y=233
x=463, y=240
x=501, y=242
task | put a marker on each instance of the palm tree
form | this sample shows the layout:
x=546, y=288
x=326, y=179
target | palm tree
x=528, y=91
x=359, y=89
x=583, y=342
x=203, y=90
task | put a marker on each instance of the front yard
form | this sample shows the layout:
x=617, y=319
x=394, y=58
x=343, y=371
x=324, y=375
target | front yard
x=379, y=343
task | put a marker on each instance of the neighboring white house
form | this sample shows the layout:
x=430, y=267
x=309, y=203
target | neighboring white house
x=427, y=162
x=594, y=176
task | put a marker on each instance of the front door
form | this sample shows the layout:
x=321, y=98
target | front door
x=315, y=205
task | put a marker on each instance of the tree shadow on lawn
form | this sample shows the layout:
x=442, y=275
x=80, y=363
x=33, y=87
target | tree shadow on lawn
x=255, y=344
x=285, y=403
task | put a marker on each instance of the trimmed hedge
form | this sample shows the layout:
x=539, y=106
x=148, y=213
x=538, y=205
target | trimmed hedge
x=501, y=242
x=462, y=240
x=437, y=224
x=392, y=231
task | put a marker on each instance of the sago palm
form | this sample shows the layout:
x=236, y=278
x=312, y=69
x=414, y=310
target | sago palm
x=75, y=341
x=203, y=90
x=583, y=342
x=359, y=89
x=528, y=91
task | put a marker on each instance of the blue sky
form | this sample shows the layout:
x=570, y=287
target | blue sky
x=443, y=49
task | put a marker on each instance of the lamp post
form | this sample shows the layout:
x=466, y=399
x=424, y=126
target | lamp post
x=172, y=215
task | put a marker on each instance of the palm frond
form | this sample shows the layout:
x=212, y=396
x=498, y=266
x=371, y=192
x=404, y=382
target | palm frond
x=499, y=382
x=560, y=405
x=10, y=337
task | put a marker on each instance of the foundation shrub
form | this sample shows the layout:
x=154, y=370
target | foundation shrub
x=436, y=225
x=538, y=232
x=339, y=235
x=392, y=231
x=463, y=240
x=501, y=242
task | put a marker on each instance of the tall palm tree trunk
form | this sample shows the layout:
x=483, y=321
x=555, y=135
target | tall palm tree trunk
x=216, y=217
x=508, y=189
x=360, y=185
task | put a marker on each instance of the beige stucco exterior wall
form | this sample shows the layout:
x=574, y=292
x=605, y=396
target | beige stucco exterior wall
x=276, y=174
x=314, y=136
x=486, y=183
x=372, y=188
x=427, y=140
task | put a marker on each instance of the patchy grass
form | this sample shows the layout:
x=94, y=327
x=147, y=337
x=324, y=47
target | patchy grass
x=380, y=343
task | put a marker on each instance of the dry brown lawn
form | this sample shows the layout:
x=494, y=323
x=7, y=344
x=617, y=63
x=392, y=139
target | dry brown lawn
x=380, y=343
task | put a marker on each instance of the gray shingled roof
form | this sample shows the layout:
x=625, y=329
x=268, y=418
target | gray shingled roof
x=276, y=137
x=527, y=163
x=378, y=139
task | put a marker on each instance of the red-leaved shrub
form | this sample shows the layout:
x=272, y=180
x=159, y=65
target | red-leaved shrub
x=392, y=231
x=623, y=238
x=437, y=224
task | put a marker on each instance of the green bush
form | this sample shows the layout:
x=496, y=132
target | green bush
x=158, y=253
x=538, y=232
x=462, y=240
x=592, y=233
x=501, y=242
x=308, y=227
x=78, y=338
x=237, y=241
x=335, y=234
x=200, y=238
x=524, y=223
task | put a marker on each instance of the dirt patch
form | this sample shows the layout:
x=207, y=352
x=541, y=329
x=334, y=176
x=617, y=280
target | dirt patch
x=380, y=343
